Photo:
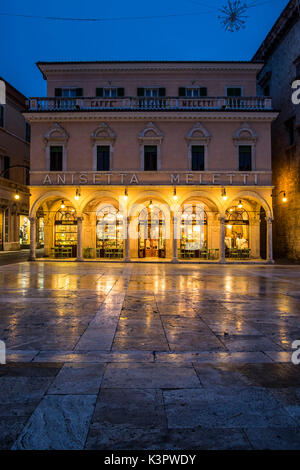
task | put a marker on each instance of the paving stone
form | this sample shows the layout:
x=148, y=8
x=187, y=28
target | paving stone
x=135, y=408
x=10, y=428
x=59, y=422
x=74, y=379
x=223, y=407
x=149, y=376
x=274, y=438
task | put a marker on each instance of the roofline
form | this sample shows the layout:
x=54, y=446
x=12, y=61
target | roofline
x=107, y=65
x=15, y=89
x=285, y=20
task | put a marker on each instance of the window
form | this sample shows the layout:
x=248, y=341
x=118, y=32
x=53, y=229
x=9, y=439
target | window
x=1, y=115
x=197, y=157
x=103, y=152
x=151, y=92
x=234, y=92
x=267, y=90
x=111, y=92
x=5, y=166
x=68, y=92
x=290, y=127
x=56, y=158
x=194, y=92
x=245, y=158
x=150, y=158
x=27, y=132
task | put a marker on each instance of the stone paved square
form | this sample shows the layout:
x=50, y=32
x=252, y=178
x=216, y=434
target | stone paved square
x=149, y=356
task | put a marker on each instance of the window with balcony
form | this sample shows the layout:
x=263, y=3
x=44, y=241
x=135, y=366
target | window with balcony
x=245, y=158
x=198, y=157
x=71, y=92
x=103, y=158
x=155, y=92
x=110, y=92
x=192, y=92
x=150, y=158
x=56, y=158
x=234, y=92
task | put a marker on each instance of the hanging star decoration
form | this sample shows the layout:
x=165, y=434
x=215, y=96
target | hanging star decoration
x=233, y=15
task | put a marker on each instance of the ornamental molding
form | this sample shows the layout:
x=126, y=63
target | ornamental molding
x=198, y=133
x=151, y=133
x=245, y=134
x=103, y=133
x=56, y=133
x=170, y=116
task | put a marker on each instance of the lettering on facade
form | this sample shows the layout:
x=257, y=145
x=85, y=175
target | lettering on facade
x=114, y=178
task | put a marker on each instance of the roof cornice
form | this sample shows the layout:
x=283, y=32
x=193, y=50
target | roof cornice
x=48, y=68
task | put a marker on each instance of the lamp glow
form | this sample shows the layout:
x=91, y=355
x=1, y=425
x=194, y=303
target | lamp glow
x=224, y=195
x=62, y=206
x=240, y=206
x=175, y=197
x=125, y=195
x=150, y=205
x=77, y=195
x=17, y=195
x=284, y=199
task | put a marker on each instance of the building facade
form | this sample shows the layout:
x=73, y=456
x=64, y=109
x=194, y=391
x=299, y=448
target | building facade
x=151, y=160
x=14, y=169
x=281, y=53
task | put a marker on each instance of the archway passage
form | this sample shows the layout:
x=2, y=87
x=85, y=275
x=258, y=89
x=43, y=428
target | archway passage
x=152, y=233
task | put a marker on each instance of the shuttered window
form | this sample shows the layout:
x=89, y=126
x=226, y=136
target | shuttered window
x=56, y=158
x=245, y=158
x=197, y=158
x=150, y=158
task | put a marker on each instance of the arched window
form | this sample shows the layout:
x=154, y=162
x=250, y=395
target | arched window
x=65, y=224
x=109, y=233
x=237, y=232
x=152, y=236
x=193, y=232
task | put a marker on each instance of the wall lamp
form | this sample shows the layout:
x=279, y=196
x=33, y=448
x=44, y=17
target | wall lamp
x=125, y=194
x=17, y=195
x=224, y=195
x=77, y=195
x=175, y=197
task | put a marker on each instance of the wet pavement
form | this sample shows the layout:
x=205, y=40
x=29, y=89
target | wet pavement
x=157, y=356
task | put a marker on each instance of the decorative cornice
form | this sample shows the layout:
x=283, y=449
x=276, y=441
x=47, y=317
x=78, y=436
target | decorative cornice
x=267, y=116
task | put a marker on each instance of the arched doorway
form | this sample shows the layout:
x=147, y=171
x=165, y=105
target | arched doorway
x=193, y=232
x=152, y=232
x=237, y=233
x=109, y=233
x=65, y=232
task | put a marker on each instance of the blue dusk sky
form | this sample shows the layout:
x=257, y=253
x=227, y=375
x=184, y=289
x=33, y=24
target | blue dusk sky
x=195, y=34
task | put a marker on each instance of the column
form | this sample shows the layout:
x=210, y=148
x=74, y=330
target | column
x=32, y=238
x=79, y=238
x=270, y=240
x=126, y=234
x=222, y=239
x=175, y=240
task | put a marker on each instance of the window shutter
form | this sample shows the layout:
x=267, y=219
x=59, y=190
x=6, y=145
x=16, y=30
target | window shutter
x=203, y=91
x=79, y=92
x=1, y=116
x=181, y=91
x=141, y=91
x=162, y=92
x=58, y=92
x=99, y=91
x=121, y=92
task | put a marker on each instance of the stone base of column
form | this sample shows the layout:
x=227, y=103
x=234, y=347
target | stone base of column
x=222, y=261
x=31, y=258
x=271, y=261
x=79, y=259
x=174, y=260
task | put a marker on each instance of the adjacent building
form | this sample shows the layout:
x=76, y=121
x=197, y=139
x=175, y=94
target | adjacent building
x=151, y=161
x=281, y=53
x=14, y=169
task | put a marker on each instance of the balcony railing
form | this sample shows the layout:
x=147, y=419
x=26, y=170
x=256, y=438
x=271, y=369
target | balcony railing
x=153, y=104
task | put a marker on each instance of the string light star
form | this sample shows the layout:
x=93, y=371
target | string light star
x=233, y=15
